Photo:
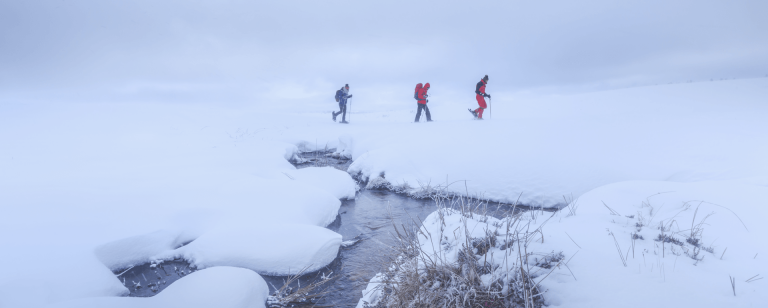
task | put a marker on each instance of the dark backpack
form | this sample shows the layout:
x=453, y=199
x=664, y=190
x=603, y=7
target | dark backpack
x=416, y=93
x=338, y=95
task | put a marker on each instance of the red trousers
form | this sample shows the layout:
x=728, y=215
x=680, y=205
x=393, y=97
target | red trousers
x=481, y=102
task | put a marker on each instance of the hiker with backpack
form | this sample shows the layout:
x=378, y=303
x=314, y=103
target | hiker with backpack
x=480, y=96
x=421, y=101
x=341, y=97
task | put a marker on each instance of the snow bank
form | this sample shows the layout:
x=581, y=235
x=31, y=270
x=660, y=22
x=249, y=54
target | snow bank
x=725, y=217
x=329, y=179
x=53, y=277
x=271, y=249
x=106, y=186
x=138, y=249
x=252, y=225
x=223, y=287
x=372, y=292
x=279, y=200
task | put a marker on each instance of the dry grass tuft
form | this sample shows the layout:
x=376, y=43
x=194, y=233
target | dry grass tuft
x=413, y=278
x=305, y=296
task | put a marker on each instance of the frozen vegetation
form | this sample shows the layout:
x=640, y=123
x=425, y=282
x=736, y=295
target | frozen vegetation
x=640, y=243
x=665, y=189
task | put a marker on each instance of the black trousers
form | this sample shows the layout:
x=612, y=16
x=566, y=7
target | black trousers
x=342, y=111
x=426, y=110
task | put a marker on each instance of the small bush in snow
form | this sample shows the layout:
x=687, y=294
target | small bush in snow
x=307, y=295
x=463, y=258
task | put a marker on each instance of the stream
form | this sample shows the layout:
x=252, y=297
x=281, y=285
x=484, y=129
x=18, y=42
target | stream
x=366, y=224
x=370, y=220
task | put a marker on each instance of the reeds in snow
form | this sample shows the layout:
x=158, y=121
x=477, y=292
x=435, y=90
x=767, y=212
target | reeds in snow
x=473, y=277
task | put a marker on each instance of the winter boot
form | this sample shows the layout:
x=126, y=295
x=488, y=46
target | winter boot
x=344, y=122
x=334, y=116
x=474, y=113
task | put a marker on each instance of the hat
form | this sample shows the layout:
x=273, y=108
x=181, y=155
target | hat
x=346, y=85
x=485, y=78
x=426, y=85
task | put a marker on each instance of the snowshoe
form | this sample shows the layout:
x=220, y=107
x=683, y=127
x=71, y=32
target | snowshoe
x=334, y=116
x=472, y=112
x=344, y=122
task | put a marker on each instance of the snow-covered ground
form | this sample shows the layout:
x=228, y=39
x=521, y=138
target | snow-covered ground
x=90, y=188
x=218, y=287
x=726, y=217
x=87, y=189
x=637, y=243
x=547, y=147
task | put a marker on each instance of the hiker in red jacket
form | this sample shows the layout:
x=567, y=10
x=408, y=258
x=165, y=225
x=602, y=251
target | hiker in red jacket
x=421, y=99
x=480, y=94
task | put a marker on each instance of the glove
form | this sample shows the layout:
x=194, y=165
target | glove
x=427, y=101
x=425, y=95
x=486, y=95
x=349, y=96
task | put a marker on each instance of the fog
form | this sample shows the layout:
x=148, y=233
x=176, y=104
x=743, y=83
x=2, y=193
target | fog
x=278, y=52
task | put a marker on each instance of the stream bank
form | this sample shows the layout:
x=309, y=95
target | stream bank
x=367, y=224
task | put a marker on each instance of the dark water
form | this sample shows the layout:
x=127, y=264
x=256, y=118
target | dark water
x=367, y=221
x=148, y=279
x=370, y=220
x=322, y=159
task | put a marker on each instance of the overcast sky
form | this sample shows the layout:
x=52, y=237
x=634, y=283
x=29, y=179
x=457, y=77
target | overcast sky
x=268, y=51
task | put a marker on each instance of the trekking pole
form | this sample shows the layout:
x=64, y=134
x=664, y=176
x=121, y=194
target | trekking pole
x=350, y=110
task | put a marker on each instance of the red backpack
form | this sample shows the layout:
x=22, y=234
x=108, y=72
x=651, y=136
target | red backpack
x=416, y=93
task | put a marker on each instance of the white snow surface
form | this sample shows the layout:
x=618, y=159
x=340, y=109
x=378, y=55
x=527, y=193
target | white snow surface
x=330, y=179
x=730, y=215
x=656, y=274
x=279, y=249
x=225, y=287
x=135, y=250
x=98, y=187
x=89, y=188
x=372, y=293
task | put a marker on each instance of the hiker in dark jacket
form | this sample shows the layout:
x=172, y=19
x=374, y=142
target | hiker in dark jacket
x=421, y=100
x=341, y=96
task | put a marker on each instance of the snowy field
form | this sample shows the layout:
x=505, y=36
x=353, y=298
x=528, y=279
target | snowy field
x=88, y=189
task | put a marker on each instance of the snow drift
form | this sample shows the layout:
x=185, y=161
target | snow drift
x=271, y=249
x=225, y=287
